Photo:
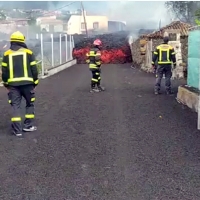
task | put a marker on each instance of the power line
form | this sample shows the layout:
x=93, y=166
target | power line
x=51, y=12
x=60, y=8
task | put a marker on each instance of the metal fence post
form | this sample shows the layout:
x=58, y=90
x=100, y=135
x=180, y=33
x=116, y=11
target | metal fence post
x=27, y=32
x=42, y=53
x=60, y=49
x=70, y=44
x=66, y=43
x=37, y=36
x=52, y=51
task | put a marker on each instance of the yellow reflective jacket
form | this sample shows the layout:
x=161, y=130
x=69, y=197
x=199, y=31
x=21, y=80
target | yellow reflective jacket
x=19, y=67
x=94, y=58
x=165, y=54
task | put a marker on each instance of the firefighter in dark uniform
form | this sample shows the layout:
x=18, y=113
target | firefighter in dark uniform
x=166, y=56
x=94, y=61
x=20, y=77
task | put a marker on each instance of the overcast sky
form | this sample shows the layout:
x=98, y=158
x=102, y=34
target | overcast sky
x=137, y=14
x=142, y=13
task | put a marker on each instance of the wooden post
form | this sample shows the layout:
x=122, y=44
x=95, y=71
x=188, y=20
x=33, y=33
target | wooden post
x=151, y=49
x=84, y=18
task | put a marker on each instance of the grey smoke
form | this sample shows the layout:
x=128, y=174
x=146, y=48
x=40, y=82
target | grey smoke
x=137, y=14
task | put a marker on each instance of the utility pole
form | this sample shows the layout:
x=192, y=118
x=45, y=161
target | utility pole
x=83, y=11
x=159, y=26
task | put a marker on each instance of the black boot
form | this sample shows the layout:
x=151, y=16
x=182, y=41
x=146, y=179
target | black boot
x=101, y=88
x=30, y=129
x=156, y=92
x=93, y=88
x=14, y=132
x=169, y=92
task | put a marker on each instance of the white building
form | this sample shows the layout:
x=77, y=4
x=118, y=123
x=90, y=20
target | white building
x=76, y=24
x=53, y=25
x=40, y=19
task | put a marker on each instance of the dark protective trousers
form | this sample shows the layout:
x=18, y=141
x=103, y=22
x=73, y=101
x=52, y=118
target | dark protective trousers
x=96, y=78
x=163, y=70
x=15, y=95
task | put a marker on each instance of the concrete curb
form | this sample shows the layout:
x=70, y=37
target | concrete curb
x=60, y=68
x=188, y=97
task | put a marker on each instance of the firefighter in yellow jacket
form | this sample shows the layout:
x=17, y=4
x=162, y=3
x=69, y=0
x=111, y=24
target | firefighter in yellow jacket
x=165, y=55
x=94, y=61
x=20, y=77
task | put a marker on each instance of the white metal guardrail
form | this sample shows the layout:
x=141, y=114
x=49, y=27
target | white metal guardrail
x=55, y=51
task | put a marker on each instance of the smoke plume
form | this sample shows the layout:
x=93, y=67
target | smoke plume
x=136, y=14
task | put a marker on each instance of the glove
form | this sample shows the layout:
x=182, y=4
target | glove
x=5, y=85
x=154, y=68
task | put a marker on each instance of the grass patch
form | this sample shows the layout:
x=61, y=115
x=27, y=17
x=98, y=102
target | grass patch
x=39, y=67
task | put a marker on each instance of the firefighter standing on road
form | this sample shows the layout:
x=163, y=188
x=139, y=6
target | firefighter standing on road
x=94, y=61
x=20, y=77
x=165, y=55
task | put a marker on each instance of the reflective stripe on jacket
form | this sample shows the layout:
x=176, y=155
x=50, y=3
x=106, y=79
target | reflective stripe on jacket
x=19, y=67
x=94, y=58
x=165, y=54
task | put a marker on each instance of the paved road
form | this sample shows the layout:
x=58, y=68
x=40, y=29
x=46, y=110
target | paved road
x=106, y=146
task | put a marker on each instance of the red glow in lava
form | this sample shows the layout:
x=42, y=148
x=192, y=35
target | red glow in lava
x=108, y=56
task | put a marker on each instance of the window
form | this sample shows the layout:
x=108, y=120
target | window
x=172, y=37
x=95, y=25
x=83, y=26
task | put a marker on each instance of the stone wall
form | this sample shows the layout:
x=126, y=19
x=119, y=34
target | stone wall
x=137, y=58
x=184, y=49
x=184, y=42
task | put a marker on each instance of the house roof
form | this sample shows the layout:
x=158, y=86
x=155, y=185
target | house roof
x=176, y=25
x=51, y=21
x=19, y=19
x=81, y=16
x=46, y=17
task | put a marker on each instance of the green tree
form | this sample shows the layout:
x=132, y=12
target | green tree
x=2, y=16
x=183, y=10
x=197, y=17
x=31, y=16
x=32, y=21
x=33, y=27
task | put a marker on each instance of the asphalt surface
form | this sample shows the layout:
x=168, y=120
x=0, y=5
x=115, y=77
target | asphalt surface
x=121, y=144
